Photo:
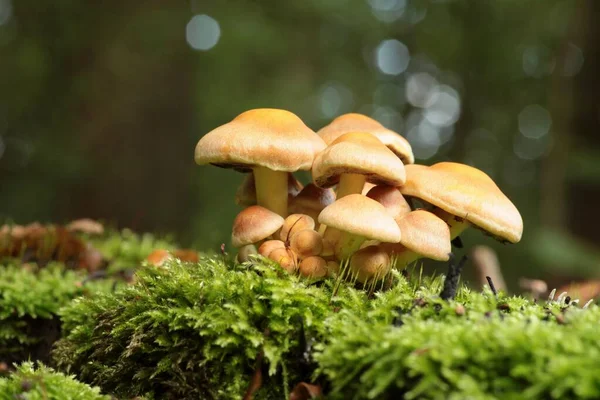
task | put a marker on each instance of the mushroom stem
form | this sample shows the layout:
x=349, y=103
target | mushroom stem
x=347, y=245
x=403, y=258
x=350, y=184
x=457, y=224
x=272, y=189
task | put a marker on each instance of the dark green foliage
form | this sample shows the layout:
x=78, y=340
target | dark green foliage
x=43, y=383
x=194, y=331
x=29, y=301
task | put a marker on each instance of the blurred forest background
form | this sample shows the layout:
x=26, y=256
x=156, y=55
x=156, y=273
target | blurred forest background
x=101, y=105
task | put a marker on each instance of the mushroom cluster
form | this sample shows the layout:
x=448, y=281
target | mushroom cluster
x=368, y=206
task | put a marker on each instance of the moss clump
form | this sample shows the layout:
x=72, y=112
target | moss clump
x=43, y=383
x=195, y=331
x=29, y=302
x=409, y=344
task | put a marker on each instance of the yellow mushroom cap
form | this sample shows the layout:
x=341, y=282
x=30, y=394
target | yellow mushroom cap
x=271, y=138
x=295, y=223
x=391, y=198
x=354, y=122
x=313, y=267
x=254, y=224
x=468, y=193
x=358, y=153
x=423, y=233
x=361, y=216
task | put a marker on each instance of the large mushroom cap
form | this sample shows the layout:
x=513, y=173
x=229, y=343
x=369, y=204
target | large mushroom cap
x=468, y=193
x=423, y=233
x=358, y=153
x=254, y=224
x=391, y=198
x=271, y=138
x=361, y=216
x=353, y=122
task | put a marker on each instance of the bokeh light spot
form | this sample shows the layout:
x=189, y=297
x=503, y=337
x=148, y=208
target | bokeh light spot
x=444, y=107
x=420, y=89
x=573, y=61
x=538, y=61
x=534, y=121
x=202, y=32
x=387, y=10
x=5, y=11
x=335, y=99
x=424, y=139
x=531, y=149
x=392, y=57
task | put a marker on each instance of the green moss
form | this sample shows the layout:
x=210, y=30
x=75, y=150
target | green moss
x=43, y=383
x=29, y=302
x=196, y=331
x=475, y=347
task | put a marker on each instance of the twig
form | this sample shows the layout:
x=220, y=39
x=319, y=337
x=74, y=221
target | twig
x=491, y=283
x=451, y=281
x=256, y=381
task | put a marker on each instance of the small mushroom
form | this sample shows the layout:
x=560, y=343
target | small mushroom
x=253, y=225
x=245, y=252
x=423, y=235
x=353, y=122
x=269, y=245
x=391, y=198
x=369, y=264
x=306, y=243
x=313, y=267
x=286, y=258
x=268, y=142
x=295, y=223
x=312, y=200
x=353, y=159
x=465, y=196
x=359, y=218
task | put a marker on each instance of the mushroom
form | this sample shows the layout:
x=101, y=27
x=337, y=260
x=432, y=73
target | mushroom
x=423, y=235
x=307, y=243
x=391, y=198
x=295, y=223
x=268, y=142
x=253, y=225
x=465, y=196
x=245, y=252
x=358, y=218
x=312, y=200
x=369, y=264
x=353, y=122
x=286, y=258
x=353, y=159
x=245, y=195
x=269, y=245
x=313, y=267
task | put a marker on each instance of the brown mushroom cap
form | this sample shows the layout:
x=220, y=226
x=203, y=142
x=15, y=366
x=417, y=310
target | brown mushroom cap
x=313, y=267
x=245, y=195
x=370, y=263
x=353, y=122
x=286, y=258
x=307, y=243
x=312, y=200
x=295, y=223
x=254, y=224
x=467, y=193
x=269, y=245
x=391, y=198
x=271, y=138
x=422, y=233
x=357, y=153
x=361, y=216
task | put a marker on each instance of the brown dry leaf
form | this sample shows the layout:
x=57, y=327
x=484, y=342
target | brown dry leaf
x=584, y=291
x=306, y=391
x=86, y=225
